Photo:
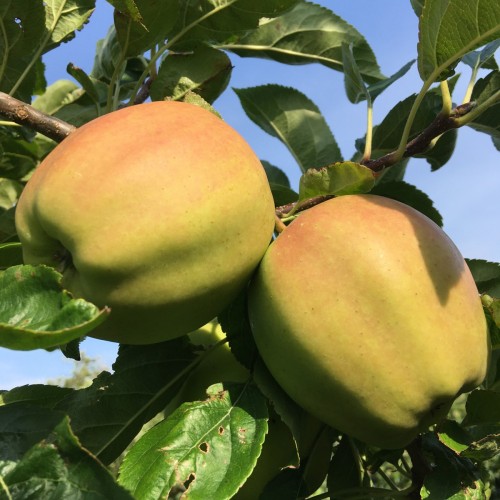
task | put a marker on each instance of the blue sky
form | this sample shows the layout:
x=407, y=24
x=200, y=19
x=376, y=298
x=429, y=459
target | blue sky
x=465, y=190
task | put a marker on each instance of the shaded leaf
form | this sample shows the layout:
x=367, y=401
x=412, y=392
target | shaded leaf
x=410, y=195
x=345, y=468
x=336, y=179
x=10, y=255
x=45, y=396
x=441, y=152
x=56, y=96
x=290, y=116
x=484, y=449
x=22, y=24
x=452, y=476
x=186, y=449
x=483, y=58
x=85, y=81
x=375, y=89
x=486, y=275
x=308, y=33
x=35, y=312
x=275, y=175
x=353, y=81
x=417, y=5
x=487, y=122
x=483, y=407
x=204, y=71
x=145, y=23
x=58, y=467
x=108, y=415
x=449, y=29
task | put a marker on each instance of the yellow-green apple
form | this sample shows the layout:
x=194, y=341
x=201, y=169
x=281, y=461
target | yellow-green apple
x=365, y=312
x=160, y=211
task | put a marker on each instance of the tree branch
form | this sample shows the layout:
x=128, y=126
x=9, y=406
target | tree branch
x=23, y=114
x=440, y=125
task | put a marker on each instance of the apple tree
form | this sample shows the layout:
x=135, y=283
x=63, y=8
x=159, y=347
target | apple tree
x=277, y=340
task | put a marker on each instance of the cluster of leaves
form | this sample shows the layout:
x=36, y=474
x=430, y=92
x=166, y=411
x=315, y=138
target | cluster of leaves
x=63, y=441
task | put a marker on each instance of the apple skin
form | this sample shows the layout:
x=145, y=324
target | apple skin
x=160, y=211
x=367, y=315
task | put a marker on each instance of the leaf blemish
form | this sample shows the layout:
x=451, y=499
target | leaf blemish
x=221, y=430
x=204, y=447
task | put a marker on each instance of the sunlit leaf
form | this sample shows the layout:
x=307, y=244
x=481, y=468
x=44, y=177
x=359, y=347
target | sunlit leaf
x=209, y=445
x=336, y=179
x=308, y=33
x=35, y=312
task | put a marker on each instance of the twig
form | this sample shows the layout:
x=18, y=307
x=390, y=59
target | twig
x=284, y=210
x=421, y=143
x=23, y=114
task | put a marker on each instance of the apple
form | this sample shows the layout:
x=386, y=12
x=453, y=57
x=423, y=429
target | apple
x=366, y=314
x=160, y=211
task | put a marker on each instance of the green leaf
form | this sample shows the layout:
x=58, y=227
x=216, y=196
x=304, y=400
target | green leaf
x=353, y=81
x=35, y=312
x=22, y=28
x=222, y=20
x=308, y=33
x=336, y=179
x=410, y=195
x=454, y=436
x=484, y=58
x=486, y=275
x=127, y=7
x=10, y=255
x=275, y=175
x=236, y=325
x=387, y=135
x=58, y=467
x=484, y=449
x=109, y=414
x=449, y=29
x=290, y=116
x=9, y=193
x=487, y=122
x=63, y=18
x=187, y=448
x=441, y=152
x=483, y=407
x=56, y=96
x=85, y=81
x=280, y=185
x=452, y=477
x=375, y=89
x=417, y=5
x=345, y=467
x=144, y=23
x=204, y=71
x=45, y=396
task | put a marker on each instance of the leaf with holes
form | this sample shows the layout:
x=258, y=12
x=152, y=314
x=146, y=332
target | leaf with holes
x=204, y=446
x=337, y=179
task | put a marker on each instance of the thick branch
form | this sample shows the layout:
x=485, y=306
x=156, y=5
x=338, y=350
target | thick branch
x=421, y=143
x=23, y=114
